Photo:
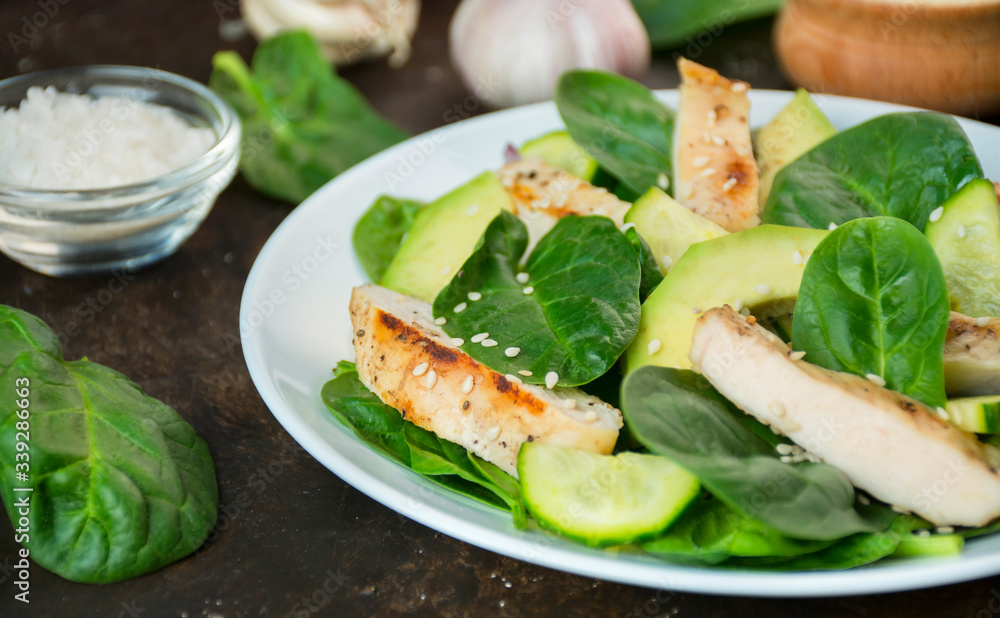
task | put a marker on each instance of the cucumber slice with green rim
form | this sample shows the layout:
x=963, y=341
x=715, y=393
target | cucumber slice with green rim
x=559, y=149
x=602, y=499
x=965, y=234
x=975, y=414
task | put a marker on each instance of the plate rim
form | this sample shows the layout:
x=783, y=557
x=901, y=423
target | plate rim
x=575, y=558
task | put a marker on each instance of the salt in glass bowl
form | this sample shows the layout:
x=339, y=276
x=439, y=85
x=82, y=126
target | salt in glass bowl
x=65, y=232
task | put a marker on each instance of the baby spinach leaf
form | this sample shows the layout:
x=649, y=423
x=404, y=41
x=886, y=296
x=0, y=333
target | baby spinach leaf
x=302, y=125
x=900, y=165
x=650, y=272
x=446, y=463
x=120, y=484
x=583, y=309
x=671, y=23
x=380, y=231
x=677, y=414
x=620, y=124
x=873, y=300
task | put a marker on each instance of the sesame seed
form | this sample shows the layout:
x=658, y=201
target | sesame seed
x=493, y=433
x=784, y=449
x=467, y=385
x=513, y=378
x=923, y=533
x=441, y=321
x=507, y=181
x=472, y=210
x=743, y=151
x=700, y=162
x=763, y=289
x=654, y=346
x=797, y=257
x=627, y=227
x=457, y=341
x=708, y=171
x=863, y=499
x=832, y=226
x=941, y=412
x=420, y=369
x=738, y=87
x=945, y=530
x=570, y=403
x=718, y=141
x=738, y=305
x=511, y=352
x=525, y=373
x=488, y=343
x=688, y=193
x=875, y=379
x=528, y=290
x=785, y=459
x=590, y=416
x=791, y=425
x=431, y=379
x=729, y=184
x=478, y=337
x=936, y=214
x=777, y=409
x=444, y=270
x=981, y=322
x=696, y=310
x=712, y=117
x=705, y=136
x=551, y=378
x=745, y=312
x=460, y=307
x=521, y=278
x=667, y=262
x=474, y=296
x=960, y=231
x=796, y=355
x=662, y=181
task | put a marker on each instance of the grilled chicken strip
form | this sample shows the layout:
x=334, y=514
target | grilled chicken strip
x=972, y=356
x=715, y=172
x=543, y=194
x=413, y=366
x=888, y=444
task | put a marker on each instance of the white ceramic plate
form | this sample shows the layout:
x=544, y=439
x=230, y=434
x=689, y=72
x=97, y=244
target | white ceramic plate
x=295, y=327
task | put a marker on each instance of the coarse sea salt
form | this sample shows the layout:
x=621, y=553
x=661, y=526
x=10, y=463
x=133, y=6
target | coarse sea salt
x=57, y=140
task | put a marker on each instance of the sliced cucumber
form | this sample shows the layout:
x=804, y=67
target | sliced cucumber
x=975, y=414
x=668, y=227
x=602, y=499
x=559, y=149
x=966, y=239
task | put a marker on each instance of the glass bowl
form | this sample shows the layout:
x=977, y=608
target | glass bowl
x=76, y=232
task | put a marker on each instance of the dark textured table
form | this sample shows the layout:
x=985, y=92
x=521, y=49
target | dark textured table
x=292, y=538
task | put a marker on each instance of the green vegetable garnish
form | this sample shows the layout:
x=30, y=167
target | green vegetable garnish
x=302, y=125
x=380, y=231
x=121, y=485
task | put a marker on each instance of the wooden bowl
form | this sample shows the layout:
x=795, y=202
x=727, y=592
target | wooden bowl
x=935, y=54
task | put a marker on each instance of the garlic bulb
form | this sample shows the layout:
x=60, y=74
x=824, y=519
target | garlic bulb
x=347, y=30
x=510, y=52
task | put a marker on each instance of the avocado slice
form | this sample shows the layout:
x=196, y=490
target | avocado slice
x=669, y=228
x=797, y=129
x=965, y=234
x=758, y=266
x=559, y=150
x=444, y=234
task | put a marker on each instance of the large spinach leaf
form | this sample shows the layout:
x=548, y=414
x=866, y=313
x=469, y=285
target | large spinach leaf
x=438, y=460
x=380, y=231
x=671, y=23
x=677, y=414
x=620, y=124
x=120, y=484
x=901, y=165
x=873, y=300
x=302, y=125
x=581, y=312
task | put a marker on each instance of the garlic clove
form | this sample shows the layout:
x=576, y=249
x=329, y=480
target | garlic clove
x=513, y=52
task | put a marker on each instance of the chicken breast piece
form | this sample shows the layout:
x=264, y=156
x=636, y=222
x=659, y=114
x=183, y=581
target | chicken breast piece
x=543, y=194
x=888, y=444
x=413, y=366
x=715, y=173
x=972, y=356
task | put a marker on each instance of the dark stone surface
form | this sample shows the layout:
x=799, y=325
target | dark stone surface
x=288, y=526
